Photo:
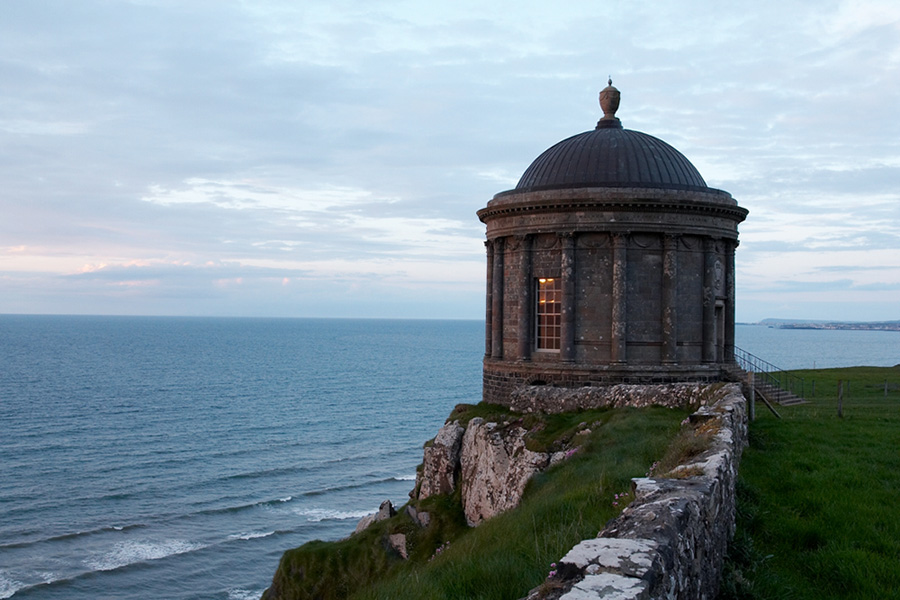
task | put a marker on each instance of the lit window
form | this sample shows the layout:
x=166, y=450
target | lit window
x=549, y=313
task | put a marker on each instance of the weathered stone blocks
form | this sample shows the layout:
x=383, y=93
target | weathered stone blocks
x=551, y=399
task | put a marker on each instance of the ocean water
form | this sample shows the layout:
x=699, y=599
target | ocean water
x=819, y=348
x=178, y=458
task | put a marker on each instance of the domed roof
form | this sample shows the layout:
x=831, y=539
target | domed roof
x=611, y=156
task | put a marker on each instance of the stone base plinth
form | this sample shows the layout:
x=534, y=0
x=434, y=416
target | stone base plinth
x=504, y=381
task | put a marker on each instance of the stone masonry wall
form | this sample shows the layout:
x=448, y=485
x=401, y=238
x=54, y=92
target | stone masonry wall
x=512, y=384
x=670, y=542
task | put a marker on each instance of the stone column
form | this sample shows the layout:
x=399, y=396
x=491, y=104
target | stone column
x=526, y=294
x=497, y=300
x=488, y=322
x=709, y=300
x=567, y=312
x=670, y=299
x=619, y=290
x=729, y=300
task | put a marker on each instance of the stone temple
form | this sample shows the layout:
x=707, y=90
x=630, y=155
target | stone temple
x=610, y=262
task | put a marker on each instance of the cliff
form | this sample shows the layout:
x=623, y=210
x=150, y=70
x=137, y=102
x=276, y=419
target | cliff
x=478, y=468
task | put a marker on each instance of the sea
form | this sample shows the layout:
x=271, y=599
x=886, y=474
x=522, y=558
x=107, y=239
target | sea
x=178, y=458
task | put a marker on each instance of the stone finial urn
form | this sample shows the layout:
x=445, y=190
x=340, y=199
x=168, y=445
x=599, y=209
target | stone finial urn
x=609, y=103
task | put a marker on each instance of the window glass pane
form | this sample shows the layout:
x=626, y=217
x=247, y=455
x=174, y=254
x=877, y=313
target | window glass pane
x=548, y=313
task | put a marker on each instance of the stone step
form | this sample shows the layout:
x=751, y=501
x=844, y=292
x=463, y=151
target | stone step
x=778, y=395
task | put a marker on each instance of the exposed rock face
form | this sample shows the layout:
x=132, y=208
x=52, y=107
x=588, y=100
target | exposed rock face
x=419, y=517
x=489, y=461
x=440, y=466
x=495, y=467
x=364, y=523
x=397, y=541
x=385, y=511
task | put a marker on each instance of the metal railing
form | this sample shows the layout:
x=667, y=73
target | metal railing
x=768, y=374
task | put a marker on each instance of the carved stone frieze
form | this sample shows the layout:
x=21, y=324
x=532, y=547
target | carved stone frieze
x=645, y=240
x=546, y=241
x=594, y=240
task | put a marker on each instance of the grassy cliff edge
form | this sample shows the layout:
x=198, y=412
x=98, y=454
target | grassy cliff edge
x=509, y=554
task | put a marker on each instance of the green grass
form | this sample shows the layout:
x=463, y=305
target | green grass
x=819, y=495
x=508, y=555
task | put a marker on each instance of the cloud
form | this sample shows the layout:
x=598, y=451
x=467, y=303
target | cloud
x=348, y=144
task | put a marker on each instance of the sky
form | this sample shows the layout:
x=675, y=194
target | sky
x=326, y=158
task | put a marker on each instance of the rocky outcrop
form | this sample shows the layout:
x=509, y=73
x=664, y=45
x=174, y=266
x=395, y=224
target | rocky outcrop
x=495, y=467
x=488, y=461
x=670, y=542
x=440, y=464
x=397, y=541
x=385, y=511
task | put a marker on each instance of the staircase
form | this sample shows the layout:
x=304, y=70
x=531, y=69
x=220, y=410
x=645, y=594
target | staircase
x=773, y=384
x=775, y=394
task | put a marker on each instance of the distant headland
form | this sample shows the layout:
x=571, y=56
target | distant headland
x=819, y=324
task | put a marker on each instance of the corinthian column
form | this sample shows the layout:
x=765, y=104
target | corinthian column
x=619, y=289
x=526, y=305
x=567, y=312
x=709, y=300
x=729, y=300
x=497, y=300
x=489, y=302
x=670, y=299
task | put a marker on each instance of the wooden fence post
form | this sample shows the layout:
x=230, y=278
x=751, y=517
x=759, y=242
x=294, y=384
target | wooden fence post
x=841, y=398
x=751, y=385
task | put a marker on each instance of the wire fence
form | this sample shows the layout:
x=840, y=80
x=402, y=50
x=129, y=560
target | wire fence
x=786, y=387
x=827, y=388
x=768, y=374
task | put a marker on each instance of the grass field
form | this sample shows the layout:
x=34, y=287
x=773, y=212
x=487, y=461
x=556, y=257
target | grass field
x=819, y=494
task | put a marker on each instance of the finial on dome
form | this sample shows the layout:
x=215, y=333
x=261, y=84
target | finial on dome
x=609, y=102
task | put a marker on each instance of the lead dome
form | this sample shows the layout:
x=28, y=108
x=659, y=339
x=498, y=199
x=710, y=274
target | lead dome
x=611, y=156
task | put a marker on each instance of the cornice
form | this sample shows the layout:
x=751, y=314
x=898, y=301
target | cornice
x=670, y=204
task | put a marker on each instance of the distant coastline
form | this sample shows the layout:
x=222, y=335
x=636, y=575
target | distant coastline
x=832, y=325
